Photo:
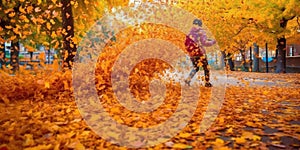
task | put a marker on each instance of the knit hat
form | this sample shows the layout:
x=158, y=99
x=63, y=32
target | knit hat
x=197, y=22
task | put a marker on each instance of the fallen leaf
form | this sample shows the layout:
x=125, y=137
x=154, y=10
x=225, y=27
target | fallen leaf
x=184, y=135
x=5, y=100
x=240, y=140
x=219, y=142
x=29, y=140
x=76, y=145
x=182, y=146
x=40, y=147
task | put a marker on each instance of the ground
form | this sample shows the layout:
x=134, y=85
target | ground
x=260, y=111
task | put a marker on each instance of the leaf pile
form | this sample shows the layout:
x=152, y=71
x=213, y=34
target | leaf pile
x=251, y=117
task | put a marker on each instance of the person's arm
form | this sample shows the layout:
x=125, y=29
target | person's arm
x=204, y=41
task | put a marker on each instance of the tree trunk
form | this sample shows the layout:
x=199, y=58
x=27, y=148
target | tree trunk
x=230, y=62
x=2, y=56
x=224, y=59
x=31, y=56
x=281, y=49
x=2, y=48
x=243, y=60
x=49, y=61
x=2, y=25
x=250, y=65
x=14, y=49
x=281, y=56
x=256, y=58
x=68, y=26
x=14, y=56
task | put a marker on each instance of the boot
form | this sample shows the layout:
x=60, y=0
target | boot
x=188, y=81
x=208, y=84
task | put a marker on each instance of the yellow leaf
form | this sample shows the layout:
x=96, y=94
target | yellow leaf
x=52, y=21
x=56, y=147
x=265, y=92
x=13, y=38
x=75, y=40
x=16, y=31
x=68, y=15
x=247, y=135
x=29, y=9
x=240, y=140
x=48, y=25
x=115, y=110
x=251, y=101
x=13, y=20
x=250, y=124
x=39, y=2
x=230, y=131
x=239, y=110
x=29, y=140
x=9, y=66
x=86, y=2
x=66, y=85
x=8, y=27
x=22, y=10
x=53, y=35
x=55, y=65
x=85, y=133
x=69, y=28
x=23, y=17
x=12, y=14
x=40, y=147
x=221, y=120
x=68, y=110
x=184, y=135
x=46, y=44
x=256, y=138
x=181, y=146
x=224, y=148
x=47, y=85
x=56, y=45
x=219, y=142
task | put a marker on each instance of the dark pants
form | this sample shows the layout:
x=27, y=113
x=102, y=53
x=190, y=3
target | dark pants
x=197, y=56
x=204, y=64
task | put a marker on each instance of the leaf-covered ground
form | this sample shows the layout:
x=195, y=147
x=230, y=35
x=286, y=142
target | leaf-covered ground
x=260, y=111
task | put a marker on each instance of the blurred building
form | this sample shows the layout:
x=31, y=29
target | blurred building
x=292, y=59
x=25, y=56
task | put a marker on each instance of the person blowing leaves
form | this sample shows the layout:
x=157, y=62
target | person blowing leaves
x=195, y=42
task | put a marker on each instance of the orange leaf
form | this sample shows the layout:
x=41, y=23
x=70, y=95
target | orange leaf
x=240, y=140
x=5, y=99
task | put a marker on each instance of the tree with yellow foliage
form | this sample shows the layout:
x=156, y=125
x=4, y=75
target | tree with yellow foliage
x=28, y=22
x=278, y=16
x=12, y=27
x=233, y=21
x=86, y=13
